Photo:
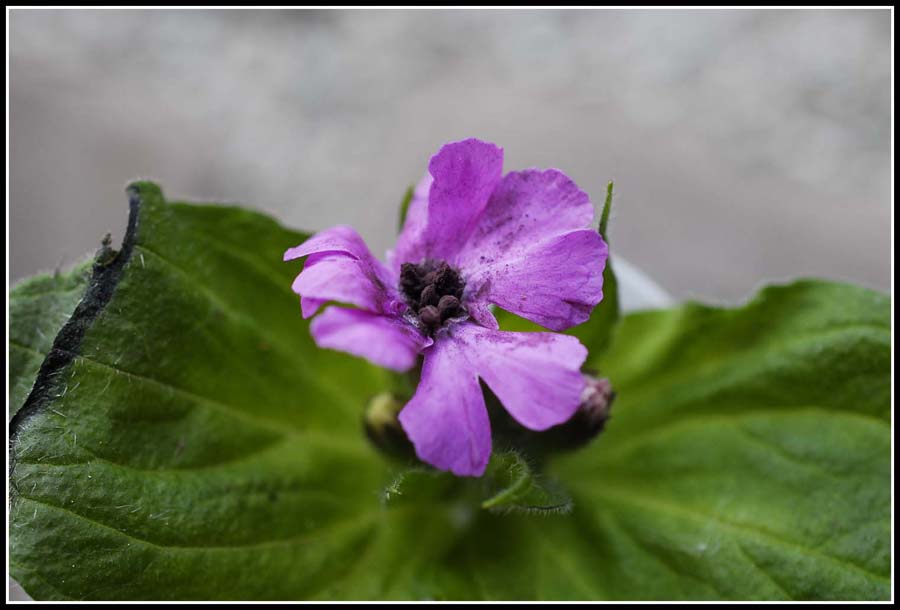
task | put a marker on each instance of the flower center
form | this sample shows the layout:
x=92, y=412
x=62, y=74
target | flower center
x=434, y=291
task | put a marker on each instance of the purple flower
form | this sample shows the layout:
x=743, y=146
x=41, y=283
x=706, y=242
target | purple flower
x=472, y=238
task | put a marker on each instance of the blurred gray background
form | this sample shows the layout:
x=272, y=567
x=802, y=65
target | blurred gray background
x=746, y=146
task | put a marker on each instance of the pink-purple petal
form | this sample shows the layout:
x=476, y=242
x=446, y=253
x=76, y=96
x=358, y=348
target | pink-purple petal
x=481, y=313
x=527, y=207
x=465, y=175
x=309, y=306
x=410, y=246
x=447, y=420
x=533, y=251
x=340, y=238
x=341, y=278
x=340, y=268
x=555, y=283
x=536, y=376
x=387, y=341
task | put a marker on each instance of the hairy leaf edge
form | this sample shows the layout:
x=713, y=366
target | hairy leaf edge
x=105, y=275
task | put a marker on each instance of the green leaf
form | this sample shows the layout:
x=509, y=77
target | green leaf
x=518, y=488
x=416, y=484
x=38, y=306
x=404, y=207
x=510, y=485
x=204, y=448
x=748, y=455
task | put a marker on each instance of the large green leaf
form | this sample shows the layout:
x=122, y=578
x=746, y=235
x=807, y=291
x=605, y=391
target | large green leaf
x=39, y=305
x=749, y=451
x=195, y=444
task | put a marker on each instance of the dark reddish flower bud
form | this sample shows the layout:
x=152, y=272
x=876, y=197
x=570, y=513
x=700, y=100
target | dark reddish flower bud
x=596, y=402
x=588, y=421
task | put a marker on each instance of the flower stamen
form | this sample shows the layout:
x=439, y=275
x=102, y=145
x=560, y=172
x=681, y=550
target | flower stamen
x=434, y=291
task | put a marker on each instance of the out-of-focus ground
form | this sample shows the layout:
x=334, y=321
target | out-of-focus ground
x=746, y=146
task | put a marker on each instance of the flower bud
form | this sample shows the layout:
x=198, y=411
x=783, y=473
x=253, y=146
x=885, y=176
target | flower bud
x=585, y=424
x=384, y=429
x=588, y=421
x=596, y=402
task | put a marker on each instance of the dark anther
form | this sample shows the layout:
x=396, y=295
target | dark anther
x=430, y=316
x=448, y=306
x=448, y=281
x=411, y=283
x=429, y=295
x=410, y=275
x=434, y=290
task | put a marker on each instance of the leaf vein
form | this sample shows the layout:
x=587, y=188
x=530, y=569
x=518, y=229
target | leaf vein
x=638, y=499
x=357, y=520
